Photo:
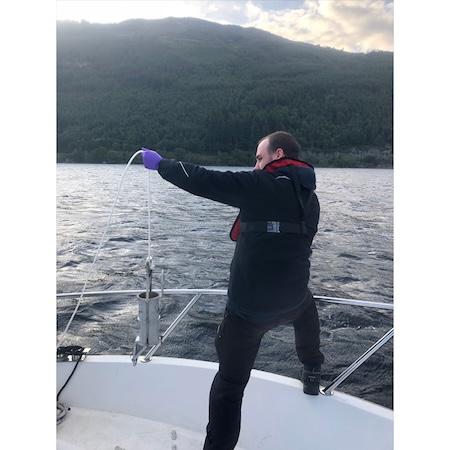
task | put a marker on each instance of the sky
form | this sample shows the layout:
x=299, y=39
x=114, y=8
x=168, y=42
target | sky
x=350, y=25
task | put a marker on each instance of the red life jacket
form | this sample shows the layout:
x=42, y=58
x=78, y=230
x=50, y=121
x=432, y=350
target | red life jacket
x=271, y=167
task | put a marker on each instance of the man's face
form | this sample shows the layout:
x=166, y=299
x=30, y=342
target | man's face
x=264, y=156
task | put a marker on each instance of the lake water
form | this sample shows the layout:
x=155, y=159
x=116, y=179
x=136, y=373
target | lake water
x=352, y=257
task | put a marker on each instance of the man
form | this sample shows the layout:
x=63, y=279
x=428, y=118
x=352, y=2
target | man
x=269, y=273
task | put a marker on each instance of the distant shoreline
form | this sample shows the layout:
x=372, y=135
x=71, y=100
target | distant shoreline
x=351, y=158
x=228, y=165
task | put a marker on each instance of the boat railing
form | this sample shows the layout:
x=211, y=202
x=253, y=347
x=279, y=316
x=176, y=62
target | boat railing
x=147, y=353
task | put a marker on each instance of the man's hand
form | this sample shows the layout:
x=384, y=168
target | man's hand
x=151, y=159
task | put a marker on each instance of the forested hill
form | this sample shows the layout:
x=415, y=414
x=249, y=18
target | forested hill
x=206, y=93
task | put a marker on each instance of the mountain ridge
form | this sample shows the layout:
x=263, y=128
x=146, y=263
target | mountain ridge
x=207, y=92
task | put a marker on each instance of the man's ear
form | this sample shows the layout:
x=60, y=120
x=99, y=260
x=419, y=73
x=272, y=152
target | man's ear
x=279, y=153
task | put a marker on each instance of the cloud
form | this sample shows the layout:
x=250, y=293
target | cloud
x=277, y=5
x=240, y=12
x=225, y=12
x=104, y=11
x=352, y=25
x=362, y=25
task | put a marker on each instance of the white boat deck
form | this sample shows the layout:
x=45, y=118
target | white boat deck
x=100, y=430
x=164, y=405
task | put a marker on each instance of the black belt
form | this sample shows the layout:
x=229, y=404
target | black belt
x=274, y=227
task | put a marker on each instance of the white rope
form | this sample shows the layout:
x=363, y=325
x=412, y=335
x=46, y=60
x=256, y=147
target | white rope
x=149, y=204
x=102, y=240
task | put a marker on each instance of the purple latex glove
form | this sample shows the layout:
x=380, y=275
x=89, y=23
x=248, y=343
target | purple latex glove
x=151, y=159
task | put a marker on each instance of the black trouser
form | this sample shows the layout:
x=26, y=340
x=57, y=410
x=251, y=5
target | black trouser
x=237, y=344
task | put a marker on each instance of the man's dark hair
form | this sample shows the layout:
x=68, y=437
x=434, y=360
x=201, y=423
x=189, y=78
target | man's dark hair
x=284, y=140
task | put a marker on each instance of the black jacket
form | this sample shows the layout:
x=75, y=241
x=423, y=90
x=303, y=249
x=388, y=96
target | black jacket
x=269, y=272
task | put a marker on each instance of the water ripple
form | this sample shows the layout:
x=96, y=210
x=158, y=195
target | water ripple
x=352, y=257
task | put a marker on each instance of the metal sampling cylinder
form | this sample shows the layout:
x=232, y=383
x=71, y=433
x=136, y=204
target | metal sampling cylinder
x=148, y=317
